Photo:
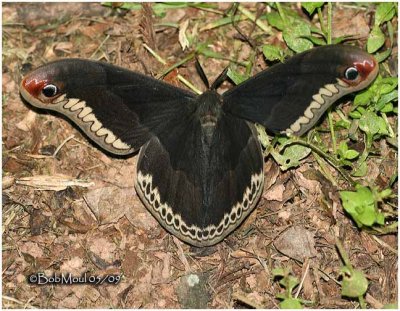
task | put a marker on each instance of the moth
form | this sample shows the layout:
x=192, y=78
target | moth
x=200, y=168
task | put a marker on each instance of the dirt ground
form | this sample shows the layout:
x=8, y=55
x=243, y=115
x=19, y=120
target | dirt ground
x=98, y=226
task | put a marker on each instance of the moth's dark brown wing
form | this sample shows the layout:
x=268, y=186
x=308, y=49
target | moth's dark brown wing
x=118, y=109
x=290, y=97
x=201, y=191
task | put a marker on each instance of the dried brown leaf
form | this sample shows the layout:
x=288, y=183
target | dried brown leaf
x=297, y=243
x=109, y=204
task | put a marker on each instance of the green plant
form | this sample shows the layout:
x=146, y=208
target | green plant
x=354, y=283
x=362, y=205
x=289, y=282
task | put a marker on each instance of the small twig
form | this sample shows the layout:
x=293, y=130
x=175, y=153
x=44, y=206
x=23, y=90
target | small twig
x=391, y=132
x=178, y=64
x=375, y=304
x=332, y=131
x=326, y=157
x=100, y=46
x=329, y=39
x=180, y=78
x=156, y=56
x=247, y=301
x=62, y=144
x=303, y=278
x=181, y=255
x=321, y=20
x=18, y=301
x=384, y=244
x=253, y=18
x=343, y=254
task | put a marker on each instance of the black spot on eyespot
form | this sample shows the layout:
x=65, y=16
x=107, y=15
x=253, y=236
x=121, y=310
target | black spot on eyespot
x=219, y=229
x=156, y=204
x=144, y=184
x=147, y=189
x=205, y=233
x=152, y=197
x=233, y=216
x=192, y=232
x=199, y=234
x=251, y=196
x=239, y=212
x=245, y=203
x=212, y=231
x=50, y=90
x=351, y=73
x=163, y=212
x=169, y=217
x=176, y=222
x=184, y=229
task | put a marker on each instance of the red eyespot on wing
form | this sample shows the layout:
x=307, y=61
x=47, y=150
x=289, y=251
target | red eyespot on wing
x=366, y=67
x=33, y=85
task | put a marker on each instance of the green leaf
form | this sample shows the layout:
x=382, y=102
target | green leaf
x=355, y=114
x=279, y=272
x=342, y=124
x=293, y=37
x=384, y=12
x=380, y=219
x=340, y=39
x=387, y=85
x=223, y=21
x=387, y=108
x=346, y=154
x=375, y=40
x=391, y=32
x=351, y=154
x=385, y=102
x=210, y=53
x=361, y=170
x=385, y=194
x=380, y=57
x=354, y=283
x=364, y=98
x=310, y=7
x=291, y=156
x=272, y=52
x=275, y=20
x=236, y=77
x=387, y=98
x=262, y=135
x=372, y=124
x=290, y=303
x=290, y=283
x=360, y=205
x=343, y=147
x=315, y=40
